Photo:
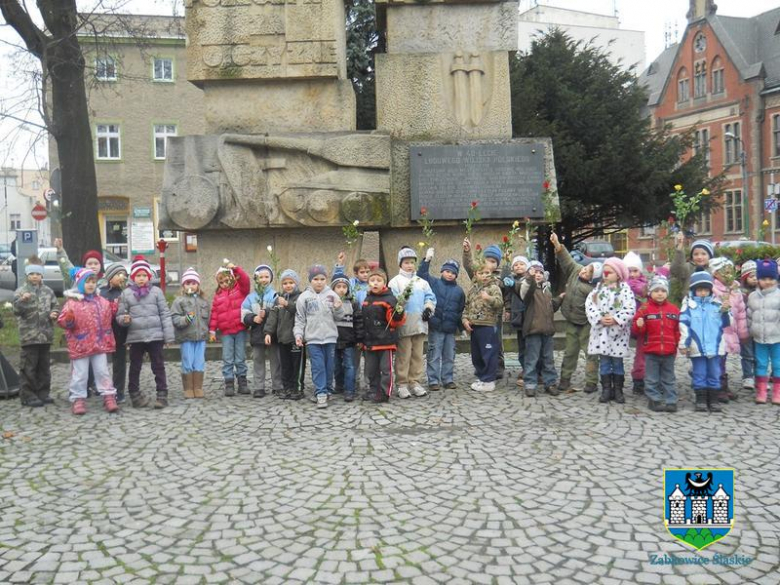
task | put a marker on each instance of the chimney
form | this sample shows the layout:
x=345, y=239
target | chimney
x=700, y=9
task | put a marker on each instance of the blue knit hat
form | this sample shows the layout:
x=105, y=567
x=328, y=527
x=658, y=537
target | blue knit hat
x=766, y=269
x=705, y=245
x=493, y=252
x=339, y=277
x=701, y=278
x=451, y=265
x=290, y=274
x=262, y=267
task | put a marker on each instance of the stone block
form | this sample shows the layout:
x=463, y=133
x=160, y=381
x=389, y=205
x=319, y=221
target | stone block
x=440, y=28
x=455, y=95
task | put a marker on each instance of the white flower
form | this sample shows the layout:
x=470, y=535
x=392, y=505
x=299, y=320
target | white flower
x=270, y=248
x=355, y=223
x=8, y=306
x=225, y=261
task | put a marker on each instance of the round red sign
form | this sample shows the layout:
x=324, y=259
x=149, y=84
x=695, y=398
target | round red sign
x=39, y=213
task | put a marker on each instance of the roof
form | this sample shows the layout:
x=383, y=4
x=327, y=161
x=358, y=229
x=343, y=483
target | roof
x=677, y=493
x=138, y=26
x=720, y=494
x=751, y=44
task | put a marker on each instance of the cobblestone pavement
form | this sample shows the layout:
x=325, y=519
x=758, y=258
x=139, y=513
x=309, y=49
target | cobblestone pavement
x=458, y=487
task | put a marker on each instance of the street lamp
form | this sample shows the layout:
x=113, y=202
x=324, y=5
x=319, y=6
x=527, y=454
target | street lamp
x=743, y=165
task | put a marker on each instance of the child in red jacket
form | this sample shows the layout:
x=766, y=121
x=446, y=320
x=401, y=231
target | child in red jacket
x=233, y=287
x=657, y=323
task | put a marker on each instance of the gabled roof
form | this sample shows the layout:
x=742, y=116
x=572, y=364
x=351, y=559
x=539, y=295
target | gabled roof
x=655, y=76
x=720, y=494
x=677, y=493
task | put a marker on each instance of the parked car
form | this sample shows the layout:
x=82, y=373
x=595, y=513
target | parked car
x=596, y=249
x=741, y=244
x=581, y=258
x=5, y=251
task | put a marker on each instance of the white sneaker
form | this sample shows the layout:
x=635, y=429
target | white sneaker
x=322, y=401
x=477, y=386
x=488, y=386
x=403, y=392
x=748, y=383
x=418, y=390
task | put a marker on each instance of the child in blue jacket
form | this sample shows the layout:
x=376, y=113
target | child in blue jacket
x=703, y=318
x=255, y=311
x=445, y=321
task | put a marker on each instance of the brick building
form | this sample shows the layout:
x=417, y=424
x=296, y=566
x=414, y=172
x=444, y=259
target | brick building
x=723, y=79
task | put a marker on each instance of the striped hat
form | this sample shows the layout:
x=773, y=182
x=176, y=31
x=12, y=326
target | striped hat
x=658, y=283
x=140, y=265
x=749, y=268
x=80, y=275
x=190, y=275
x=701, y=278
x=114, y=269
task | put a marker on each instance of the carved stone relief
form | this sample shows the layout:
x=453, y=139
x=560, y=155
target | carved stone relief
x=467, y=83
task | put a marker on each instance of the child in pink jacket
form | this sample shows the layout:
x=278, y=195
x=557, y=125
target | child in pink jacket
x=86, y=318
x=637, y=282
x=727, y=289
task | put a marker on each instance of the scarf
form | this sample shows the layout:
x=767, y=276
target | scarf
x=140, y=291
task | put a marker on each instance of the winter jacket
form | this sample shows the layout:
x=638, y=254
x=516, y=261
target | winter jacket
x=251, y=307
x=190, y=315
x=316, y=316
x=280, y=322
x=358, y=287
x=150, y=318
x=450, y=301
x=638, y=287
x=87, y=322
x=661, y=327
x=577, y=290
x=350, y=325
x=380, y=321
x=422, y=298
x=34, y=315
x=763, y=314
x=619, y=302
x=226, y=306
x=701, y=326
x=481, y=312
x=112, y=295
x=540, y=307
x=682, y=269
x=513, y=302
x=739, y=328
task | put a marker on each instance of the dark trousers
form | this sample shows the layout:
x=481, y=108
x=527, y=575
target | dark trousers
x=155, y=351
x=293, y=362
x=485, y=352
x=379, y=369
x=119, y=369
x=520, y=347
x=35, y=373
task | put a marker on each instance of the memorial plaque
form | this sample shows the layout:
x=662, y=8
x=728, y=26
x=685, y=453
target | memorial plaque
x=506, y=180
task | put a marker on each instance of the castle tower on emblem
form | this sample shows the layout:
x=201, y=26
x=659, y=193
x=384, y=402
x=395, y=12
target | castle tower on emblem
x=720, y=506
x=706, y=509
x=677, y=506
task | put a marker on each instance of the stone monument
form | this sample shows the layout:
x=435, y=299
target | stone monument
x=282, y=164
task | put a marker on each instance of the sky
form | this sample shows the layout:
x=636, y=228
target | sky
x=653, y=17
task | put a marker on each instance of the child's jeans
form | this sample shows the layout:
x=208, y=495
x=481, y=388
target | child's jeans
x=706, y=372
x=609, y=365
x=539, y=351
x=747, y=353
x=441, y=357
x=767, y=353
x=484, y=352
x=155, y=351
x=345, y=369
x=79, y=372
x=322, y=357
x=193, y=356
x=259, y=353
x=660, y=381
x=234, y=355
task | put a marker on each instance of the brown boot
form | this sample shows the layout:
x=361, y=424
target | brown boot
x=187, y=385
x=197, y=384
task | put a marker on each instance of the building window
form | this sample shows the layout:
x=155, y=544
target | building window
x=647, y=231
x=161, y=133
x=108, y=143
x=115, y=228
x=163, y=234
x=703, y=223
x=163, y=69
x=701, y=144
x=733, y=206
x=683, y=86
x=717, y=76
x=700, y=80
x=105, y=69
x=776, y=134
x=15, y=221
x=731, y=134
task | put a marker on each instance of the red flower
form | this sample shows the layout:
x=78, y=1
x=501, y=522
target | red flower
x=739, y=251
x=479, y=248
x=423, y=211
x=506, y=239
x=546, y=185
x=474, y=204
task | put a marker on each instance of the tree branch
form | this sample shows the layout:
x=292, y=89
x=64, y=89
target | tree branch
x=34, y=38
x=23, y=121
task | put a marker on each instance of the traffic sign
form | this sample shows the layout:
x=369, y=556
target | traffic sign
x=39, y=213
x=770, y=205
x=48, y=194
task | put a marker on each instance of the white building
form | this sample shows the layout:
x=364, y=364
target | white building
x=626, y=47
x=20, y=191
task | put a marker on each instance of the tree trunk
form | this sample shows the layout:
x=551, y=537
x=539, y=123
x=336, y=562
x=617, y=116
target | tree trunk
x=70, y=121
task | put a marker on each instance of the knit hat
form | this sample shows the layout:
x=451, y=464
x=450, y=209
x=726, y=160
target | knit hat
x=262, y=267
x=140, y=265
x=92, y=254
x=598, y=271
x=658, y=283
x=517, y=259
x=618, y=266
x=703, y=278
x=493, y=252
x=705, y=245
x=663, y=271
x=33, y=266
x=749, y=267
x=317, y=270
x=718, y=264
x=80, y=275
x=114, y=269
x=190, y=275
x=633, y=260
x=535, y=265
x=766, y=269
x=378, y=272
x=406, y=252
x=339, y=277
x=290, y=274
x=451, y=265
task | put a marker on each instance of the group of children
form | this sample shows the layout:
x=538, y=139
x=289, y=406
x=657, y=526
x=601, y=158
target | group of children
x=385, y=324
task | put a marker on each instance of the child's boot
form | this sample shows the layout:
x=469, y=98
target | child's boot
x=713, y=399
x=243, y=387
x=138, y=400
x=701, y=399
x=617, y=388
x=79, y=407
x=257, y=392
x=606, y=388
x=762, y=384
x=639, y=387
x=776, y=391
x=187, y=381
x=197, y=384
x=230, y=388
x=723, y=392
x=109, y=403
x=162, y=399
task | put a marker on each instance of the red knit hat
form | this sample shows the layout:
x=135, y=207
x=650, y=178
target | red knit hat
x=140, y=265
x=92, y=254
